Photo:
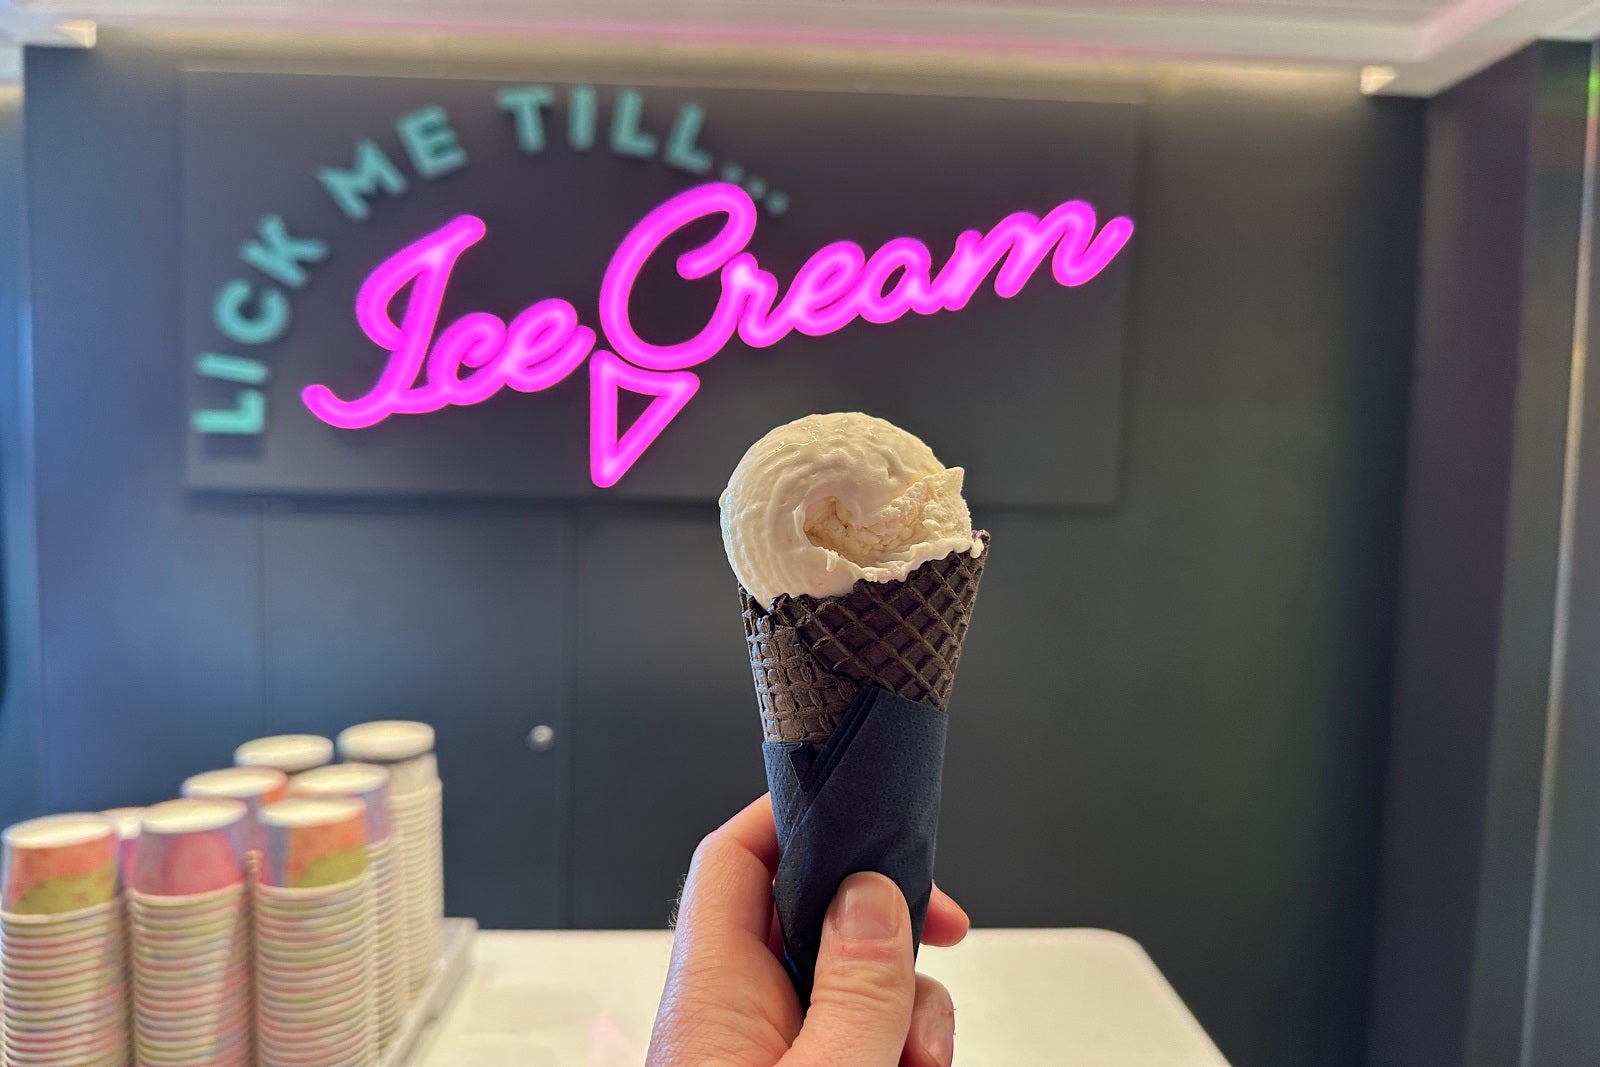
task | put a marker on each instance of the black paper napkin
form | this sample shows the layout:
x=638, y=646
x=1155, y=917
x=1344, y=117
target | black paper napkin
x=867, y=799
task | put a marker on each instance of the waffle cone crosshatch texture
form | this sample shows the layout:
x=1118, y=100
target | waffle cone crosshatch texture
x=810, y=656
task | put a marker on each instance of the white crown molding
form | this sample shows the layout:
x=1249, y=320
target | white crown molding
x=1581, y=25
x=1426, y=53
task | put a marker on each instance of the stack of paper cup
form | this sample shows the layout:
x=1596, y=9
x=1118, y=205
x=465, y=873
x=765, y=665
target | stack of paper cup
x=63, y=956
x=254, y=787
x=369, y=783
x=406, y=749
x=127, y=821
x=189, y=920
x=290, y=753
x=315, y=937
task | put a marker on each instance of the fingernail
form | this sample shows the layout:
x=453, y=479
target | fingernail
x=939, y=1039
x=869, y=908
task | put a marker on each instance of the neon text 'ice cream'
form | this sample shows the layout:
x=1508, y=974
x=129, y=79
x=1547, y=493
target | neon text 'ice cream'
x=479, y=354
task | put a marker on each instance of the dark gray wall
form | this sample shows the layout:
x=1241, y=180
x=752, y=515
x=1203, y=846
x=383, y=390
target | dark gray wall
x=18, y=629
x=1477, y=640
x=1171, y=713
x=1563, y=1028
x=1560, y=875
x=1188, y=746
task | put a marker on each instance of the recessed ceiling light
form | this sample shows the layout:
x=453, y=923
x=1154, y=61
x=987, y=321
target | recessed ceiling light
x=78, y=31
x=1375, y=79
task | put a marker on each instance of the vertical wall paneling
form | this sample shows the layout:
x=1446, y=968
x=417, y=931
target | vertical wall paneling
x=669, y=743
x=1526, y=649
x=459, y=620
x=1561, y=1029
x=1192, y=689
x=1458, y=468
x=148, y=598
x=1484, y=499
x=19, y=631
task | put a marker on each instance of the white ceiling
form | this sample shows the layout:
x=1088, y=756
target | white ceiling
x=1428, y=44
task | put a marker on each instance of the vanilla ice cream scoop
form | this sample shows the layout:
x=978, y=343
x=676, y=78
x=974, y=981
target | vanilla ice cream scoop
x=826, y=500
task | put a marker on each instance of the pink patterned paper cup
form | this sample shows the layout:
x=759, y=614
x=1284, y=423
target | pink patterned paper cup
x=366, y=782
x=192, y=846
x=312, y=842
x=58, y=864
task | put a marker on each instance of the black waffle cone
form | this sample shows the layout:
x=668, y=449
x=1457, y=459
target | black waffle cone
x=809, y=656
x=853, y=691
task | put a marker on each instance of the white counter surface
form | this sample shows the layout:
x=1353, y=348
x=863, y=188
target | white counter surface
x=1074, y=998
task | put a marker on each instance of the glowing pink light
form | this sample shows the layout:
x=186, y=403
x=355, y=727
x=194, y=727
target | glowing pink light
x=839, y=283
x=425, y=265
x=616, y=290
x=479, y=354
x=538, y=349
x=611, y=454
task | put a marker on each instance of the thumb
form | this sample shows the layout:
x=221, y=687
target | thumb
x=866, y=980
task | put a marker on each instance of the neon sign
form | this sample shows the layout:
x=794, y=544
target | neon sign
x=480, y=354
x=254, y=312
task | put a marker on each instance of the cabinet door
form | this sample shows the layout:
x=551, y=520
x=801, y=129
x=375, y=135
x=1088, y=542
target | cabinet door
x=668, y=739
x=459, y=620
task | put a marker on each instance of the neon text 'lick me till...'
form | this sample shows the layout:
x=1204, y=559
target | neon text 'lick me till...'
x=479, y=354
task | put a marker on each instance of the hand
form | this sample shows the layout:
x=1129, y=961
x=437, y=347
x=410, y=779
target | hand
x=728, y=1001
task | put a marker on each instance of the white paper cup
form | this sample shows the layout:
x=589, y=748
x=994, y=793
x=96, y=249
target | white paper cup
x=289, y=753
x=406, y=748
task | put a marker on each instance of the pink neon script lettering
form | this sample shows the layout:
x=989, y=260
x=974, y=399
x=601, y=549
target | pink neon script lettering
x=477, y=355
x=839, y=283
x=541, y=346
x=425, y=265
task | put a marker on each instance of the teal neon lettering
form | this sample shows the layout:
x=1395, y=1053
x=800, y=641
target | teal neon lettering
x=580, y=118
x=681, y=150
x=350, y=187
x=526, y=104
x=278, y=255
x=627, y=139
x=230, y=368
x=247, y=417
x=430, y=142
x=229, y=312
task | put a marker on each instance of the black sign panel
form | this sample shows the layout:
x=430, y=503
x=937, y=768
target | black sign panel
x=1023, y=391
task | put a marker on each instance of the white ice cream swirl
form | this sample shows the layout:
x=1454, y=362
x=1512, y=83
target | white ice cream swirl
x=826, y=500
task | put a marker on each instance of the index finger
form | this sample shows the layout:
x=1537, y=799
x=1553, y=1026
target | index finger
x=754, y=831
x=729, y=889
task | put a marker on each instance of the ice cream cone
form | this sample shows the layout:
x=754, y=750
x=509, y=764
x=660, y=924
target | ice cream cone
x=810, y=656
x=858, y=569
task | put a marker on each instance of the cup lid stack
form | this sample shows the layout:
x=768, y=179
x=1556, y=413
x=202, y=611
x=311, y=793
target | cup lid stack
x=315, y=936
x=63, y=953
x=189, y=925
